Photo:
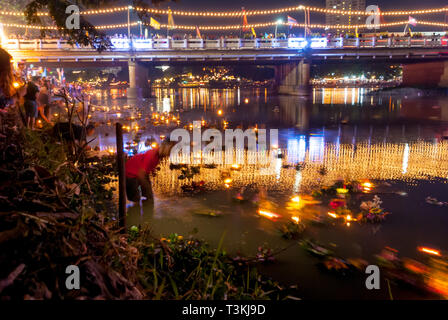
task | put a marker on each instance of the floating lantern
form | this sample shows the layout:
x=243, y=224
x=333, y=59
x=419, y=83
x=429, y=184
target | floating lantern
x=367, y=186
x=429, y=251
x=333, y=215
x=342, y=190
x=235, y=167
x=267, y=214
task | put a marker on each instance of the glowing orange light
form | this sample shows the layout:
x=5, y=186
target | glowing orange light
x=219, y=112
x=267, y=214
x=16, y=85
x=295, y=219
x=154, y=145
x=367, y=184
x=332, y=214
x=295, y=199
x=429, y=251
x=228, y=181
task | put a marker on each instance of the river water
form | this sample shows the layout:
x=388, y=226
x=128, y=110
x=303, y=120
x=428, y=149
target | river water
x=393, y=140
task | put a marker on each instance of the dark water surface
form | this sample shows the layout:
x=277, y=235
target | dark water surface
x=393, y=140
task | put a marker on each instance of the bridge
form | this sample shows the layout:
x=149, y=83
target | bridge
x=291, y=57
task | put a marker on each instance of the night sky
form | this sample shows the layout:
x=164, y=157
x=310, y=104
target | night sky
x=224, y=5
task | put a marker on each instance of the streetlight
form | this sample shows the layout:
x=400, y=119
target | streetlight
x=141, y=31
x=129, y=24
x=278, y=22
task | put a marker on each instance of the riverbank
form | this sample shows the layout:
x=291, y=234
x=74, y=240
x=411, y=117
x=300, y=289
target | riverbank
x=57, y=211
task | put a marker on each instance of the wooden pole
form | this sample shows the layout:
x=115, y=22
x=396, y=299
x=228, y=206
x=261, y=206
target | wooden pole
x=121, y=179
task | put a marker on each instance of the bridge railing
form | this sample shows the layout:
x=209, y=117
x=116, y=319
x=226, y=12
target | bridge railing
x=124, y=44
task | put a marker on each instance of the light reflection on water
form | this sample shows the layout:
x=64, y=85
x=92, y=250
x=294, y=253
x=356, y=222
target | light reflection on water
x=393, y=140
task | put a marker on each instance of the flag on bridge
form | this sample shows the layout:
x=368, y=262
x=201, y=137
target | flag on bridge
x=170, y=18
x=253, y=32
x=292, y=21
x=245, y=24
x=198, y=33
x=154, y=23
x=412, y=21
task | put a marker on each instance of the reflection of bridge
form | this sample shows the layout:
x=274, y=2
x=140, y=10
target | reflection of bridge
x=292, y=56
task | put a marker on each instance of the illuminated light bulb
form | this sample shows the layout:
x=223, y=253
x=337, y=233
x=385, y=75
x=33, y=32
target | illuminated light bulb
x=295, y=219
x=246, y=100
x=16, y=85
x=228, y=181
x=219, y=112
x=295, y=199
x=154, y=145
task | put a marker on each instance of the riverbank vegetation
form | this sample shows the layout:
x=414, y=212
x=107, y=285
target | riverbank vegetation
x=58, y=211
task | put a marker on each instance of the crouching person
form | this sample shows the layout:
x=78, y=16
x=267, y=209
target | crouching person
x=138, y=169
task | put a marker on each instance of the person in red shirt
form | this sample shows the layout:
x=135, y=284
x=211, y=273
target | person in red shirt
x=139, y=167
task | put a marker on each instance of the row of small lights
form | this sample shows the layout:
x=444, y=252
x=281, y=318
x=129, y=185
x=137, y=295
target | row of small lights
x=234, y=27
x=241, y=13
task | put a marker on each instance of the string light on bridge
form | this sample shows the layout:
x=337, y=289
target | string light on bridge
x=241, y=13
x=236, y=26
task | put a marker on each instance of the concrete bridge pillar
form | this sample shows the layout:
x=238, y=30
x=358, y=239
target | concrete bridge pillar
x=294, y=78
x=138, y=80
